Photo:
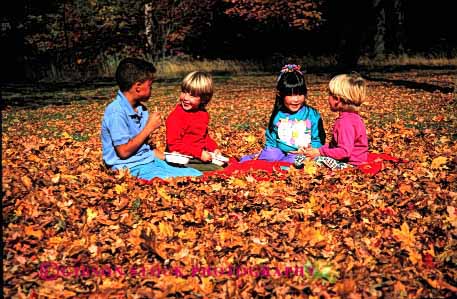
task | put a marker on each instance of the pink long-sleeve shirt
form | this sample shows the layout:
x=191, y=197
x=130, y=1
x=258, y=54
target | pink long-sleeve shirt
x=349, y=140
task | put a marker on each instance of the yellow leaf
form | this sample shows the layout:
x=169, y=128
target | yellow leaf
x=438, y=162
x=444, y=139
x=188, y=234
x=216, y=187
x=91, y=214
x=207, y=285
x=165, y=229
x=93, y=249
x=122, y=173
x=250, y=139
x=242, y=227
x=119, y=188
x=55, y=241
x=414, y=256
x=404, y=235
x=310, y=167
x=56, y=178
x=238, y=182
x=250, y=179
x=265, y=188
x=163, y=193
x=66, y=135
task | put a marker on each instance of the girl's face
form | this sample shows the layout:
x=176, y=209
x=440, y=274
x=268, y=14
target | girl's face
x=189, y=102
x=294, y=103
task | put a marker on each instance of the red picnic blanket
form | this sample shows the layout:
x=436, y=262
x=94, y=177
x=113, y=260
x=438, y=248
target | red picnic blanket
x=235, y=166
x=375, y=162
x=374, y=165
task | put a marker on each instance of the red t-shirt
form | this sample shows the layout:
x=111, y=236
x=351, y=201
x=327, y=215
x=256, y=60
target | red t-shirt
x=187, y=132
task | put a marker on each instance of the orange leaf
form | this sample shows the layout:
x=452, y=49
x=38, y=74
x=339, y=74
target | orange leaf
x=29, y=230
x=438, y=162
x=404, y=235
x=27, y=182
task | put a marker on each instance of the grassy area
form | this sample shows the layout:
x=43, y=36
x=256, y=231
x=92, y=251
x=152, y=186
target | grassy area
x=176, y=67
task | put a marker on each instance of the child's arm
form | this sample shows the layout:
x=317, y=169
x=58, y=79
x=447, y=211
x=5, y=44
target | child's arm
x=345, y=140
x=271, y=138
x=119, y=130
x=211, y=145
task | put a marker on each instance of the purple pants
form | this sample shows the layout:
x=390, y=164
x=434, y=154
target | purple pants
x=271, y=154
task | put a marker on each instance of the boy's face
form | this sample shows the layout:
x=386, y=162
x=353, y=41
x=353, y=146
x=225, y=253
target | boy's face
x=189, y=102
x=143, y=90
x=333, y=102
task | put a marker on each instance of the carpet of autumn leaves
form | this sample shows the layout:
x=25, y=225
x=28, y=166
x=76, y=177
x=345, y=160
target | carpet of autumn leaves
x=72, y=229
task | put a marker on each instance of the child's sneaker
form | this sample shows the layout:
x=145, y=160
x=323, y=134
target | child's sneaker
x=299, y=161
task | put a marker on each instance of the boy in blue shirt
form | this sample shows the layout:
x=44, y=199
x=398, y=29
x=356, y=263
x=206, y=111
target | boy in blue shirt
x=127, y=124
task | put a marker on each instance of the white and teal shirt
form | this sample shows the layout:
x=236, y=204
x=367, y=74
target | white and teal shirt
x=300, y=129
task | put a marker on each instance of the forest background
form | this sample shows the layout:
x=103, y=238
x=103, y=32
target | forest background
x=83, y=40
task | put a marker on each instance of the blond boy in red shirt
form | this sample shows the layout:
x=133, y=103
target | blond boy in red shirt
x=187, y=124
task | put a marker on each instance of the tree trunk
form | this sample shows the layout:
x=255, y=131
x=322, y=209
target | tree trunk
x=65, y=31
x=12, y=15
x=399, y=19
x=350, y=27
x=379, y=47
x=148, y=25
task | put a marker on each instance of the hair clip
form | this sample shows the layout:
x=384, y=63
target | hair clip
x=289, y=68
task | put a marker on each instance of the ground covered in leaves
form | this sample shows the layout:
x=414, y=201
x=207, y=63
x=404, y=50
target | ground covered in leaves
x=73, y=229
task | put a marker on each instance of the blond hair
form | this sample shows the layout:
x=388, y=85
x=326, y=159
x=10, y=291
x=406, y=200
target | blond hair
x=198, y=84
x=351, y=89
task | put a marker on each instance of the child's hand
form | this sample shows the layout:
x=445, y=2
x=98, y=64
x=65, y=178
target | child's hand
x=217, y=152
x=154, y=121
x=311, y=152
x=206, y=156
x=301, y=151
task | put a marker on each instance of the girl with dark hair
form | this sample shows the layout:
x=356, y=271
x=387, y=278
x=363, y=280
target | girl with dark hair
x=293, y=125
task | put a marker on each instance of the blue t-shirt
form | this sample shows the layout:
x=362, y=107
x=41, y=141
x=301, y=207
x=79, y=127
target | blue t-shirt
x=120, y=124
x=294, y=130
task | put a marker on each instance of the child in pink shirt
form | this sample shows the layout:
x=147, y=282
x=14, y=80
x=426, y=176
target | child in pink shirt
x=349, y=144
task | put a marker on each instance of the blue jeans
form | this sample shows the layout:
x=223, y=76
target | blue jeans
x=160, y=169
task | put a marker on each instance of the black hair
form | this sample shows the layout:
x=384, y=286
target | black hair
x=131, y=70
x=289, y=83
